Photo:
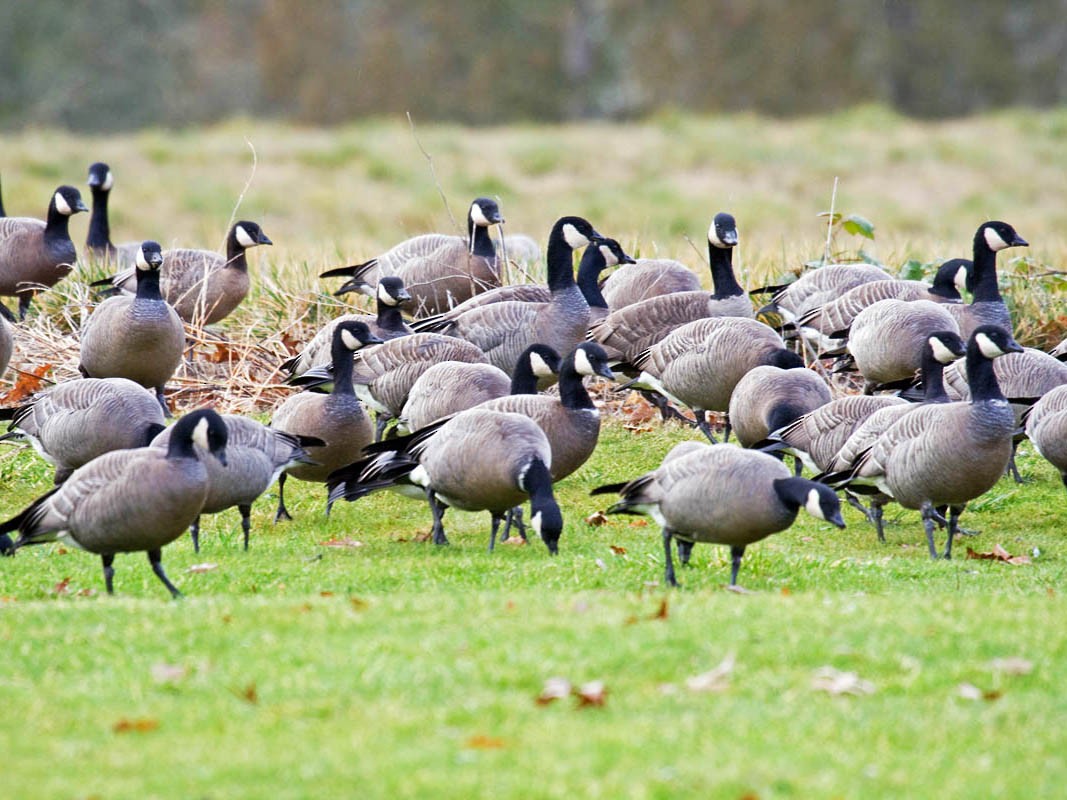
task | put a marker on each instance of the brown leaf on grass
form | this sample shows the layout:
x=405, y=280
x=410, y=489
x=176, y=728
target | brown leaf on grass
x=663, y=611
x=61, y=551
x=515, y=541
x=998, y=553
x=553, y=690
x=26, y=384
x=968, y=691
x=1012, y=665
x=593, y=693
x=357, y=603
x=137, y=725
x=248, y=694
x=639, y=523
x=836, y=682
x=168, y=673
x=345, y=542
x=596, y=519
x=423, y=537
x=716, y=679
x=222, y=353
x=205, y=567
x=482, y=742
x=87, y=592
x=617, y=549
x=62, y=588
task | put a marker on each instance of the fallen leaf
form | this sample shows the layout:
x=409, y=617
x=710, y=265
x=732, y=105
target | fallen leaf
x=553, y=690
x=617, y=550
x=639, y=523
x=345, y=542
x=61, y=551
x=206, y=567
x=596, y=519
x=138, y=725
x=168, y=673
x=357, y=603
x=663, y=611
x=482, y=742
x=593, y=693
x=61, y=588
x=998, y=553
x=836, y=682
x=25, y=385
x=423, y=537
x=222, y=352
x=248, y=694
x=786, y=591
x=716, y=679
x=516, y=541
x=87, y=592
x=1013, y=665
x=325, y=594
x=968, y=691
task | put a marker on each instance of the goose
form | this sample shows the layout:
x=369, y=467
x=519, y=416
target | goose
x=478, y=460
x=76, y=421
x=503, y=330
x=36, y=254
x=453, y=386
x=98, y=241
x=1046, y=425
x=648, y=277
x=7, y=344
x=255, y=456
x=1059, y=351
x=947, y=454
x=722, y=494
x=836, y=315
x=388, y=324
x=699, y=364
x=627, y=332
x=768, y=398
x=817, y=286
x=139, y=337
x=129, y=500
x=202, y=285
x=439, y=270
x=987, y=306
x=521, y=249
x=337, y=418
x=598, y=256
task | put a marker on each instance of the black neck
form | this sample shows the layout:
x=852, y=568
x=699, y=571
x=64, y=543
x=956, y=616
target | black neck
x=235, y=253
x=793, y=492
x=58, y=225
x=933, y=378
x=479, y=241
x=523, y=380
x=99, y=237
x=181, y=441
x=984, y=287
x=148, y=284
x=342, y=367
x=944, y=284
x=722, y=271
x=572, y=393
x=589, y=269
x=389, y=317
x=537, y=482
x=981, y=378
x=560, y=260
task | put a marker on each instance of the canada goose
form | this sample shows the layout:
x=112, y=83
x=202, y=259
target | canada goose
x=7, y=344
x=886, y=339
x=769, y=398
x=73, y=422
x=648, y=277
x=723, y=495
x=1046, y=425
x=439, y=270
x=479, y=460
x=699, y=364
x=817, y=286
x=987, y=306
x=453, y=386
x=388, y=324
x=255, y=456
x=521, y=249
x=837, y=313
x=36, y=254
x=139, y=337
x=627, y=332
x=98, y=241
x=503, y=330
x=202, y=285
x=129, y=500
x=1059, y=351
x=337, y=418
x=948, y=453
x=598, y=256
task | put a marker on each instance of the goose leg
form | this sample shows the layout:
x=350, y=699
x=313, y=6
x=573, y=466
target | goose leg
x=246, y=522
x=155, y=558
x=953, y=527
x=685, y=551
x=856, y=504
x=736, y=554
x=929, y=513
x=514, y=517
x=663, y=405
x=668, y=576
x=726, y=428
x=798, y=466
x=380, y=421
x=163, y=402
x=437, y=508
x=282, y=512
x=877, y=514
x=1012, y=466
x=109, y=572
x=24, y=304
x=495, y=526
x=705, y=428
x=194, y=531
x=5, y=312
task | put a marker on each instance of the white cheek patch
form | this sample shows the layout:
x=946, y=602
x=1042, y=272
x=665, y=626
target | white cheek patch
x=350, y=341
x=385, y=297
x=200, y=434
x=609, y=255
x=988, y=347
x=243, y=238
x=581, y=362
x=713, y=237
x=108, y=182
x=540, y=366
x=478, y=216
x=62, y=206
x=535, y=523
x=961, y=279
x=941, y=352
x=574, y=238
x=142, y=260
x=994, y=240
x=814, y=505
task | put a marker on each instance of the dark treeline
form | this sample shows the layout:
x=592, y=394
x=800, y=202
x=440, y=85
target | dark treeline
x=115, y=64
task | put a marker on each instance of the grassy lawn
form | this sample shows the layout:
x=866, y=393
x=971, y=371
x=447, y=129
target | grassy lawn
x=349, y=657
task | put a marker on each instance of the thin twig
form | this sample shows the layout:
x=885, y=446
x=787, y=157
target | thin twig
x=433, y=172
x=830, y=225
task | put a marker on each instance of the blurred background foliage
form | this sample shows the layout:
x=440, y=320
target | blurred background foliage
x=126, y=64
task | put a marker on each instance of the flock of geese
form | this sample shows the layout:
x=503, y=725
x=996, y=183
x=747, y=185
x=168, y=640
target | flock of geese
x=948, y=392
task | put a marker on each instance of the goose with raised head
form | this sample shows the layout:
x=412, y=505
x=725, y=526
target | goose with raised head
x=74, y=422
x=438, y=269
x=722, y=494
x=139, y=337
x=129, y=500
x=98, y=241
x=338, y=418
x=626, y=333
x=36, y=254
x=1046, y=426
x=987, y=306
x=478, y=460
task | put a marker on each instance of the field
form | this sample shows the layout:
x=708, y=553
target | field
x=348, y=656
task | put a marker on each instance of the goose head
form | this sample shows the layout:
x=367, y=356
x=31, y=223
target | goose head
x=722, y=232
x=249, y=234
x=100, y=179
x=391, y=291
x=67, y=200
x=997, y=236
x=485, y=212
x=149, y=256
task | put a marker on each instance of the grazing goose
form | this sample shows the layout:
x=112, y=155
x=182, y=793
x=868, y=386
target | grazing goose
x=503, y=330
x=129, y=500
x=255, y=456
x=337, y=418
x=598, y=256
x=629, y=331
x=36, y=254
x=439, y=270
x=139, y=337
x=723, y=495
x=388, y=324
x=453, y=386
x=98, y=241
x=987, y=307
x=1046, y=425
x=769, y=398
x=816, y=287
x=479, y=460
x=648, y=277
x=699, y=364
x=202, y=285
x=7, y=344
x=73, y=422
x=948, y=453
x=837, y=314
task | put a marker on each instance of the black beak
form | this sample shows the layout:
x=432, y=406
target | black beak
x=80, y=206
x=263, y=239
x=221, y=456
x=604, y=371
x=627, y=260
x=1018, y=241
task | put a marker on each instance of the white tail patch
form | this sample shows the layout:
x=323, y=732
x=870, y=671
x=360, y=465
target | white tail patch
x=350, y=341
x=419, y=476
x=609, y=255
x=243, y=238
x=62, y=206
x=994, y=239
x=478, y=216
x=200, y=434
x=941, y=352
x=385, y=297
x=988, y=347
x=581, y=362
x=540, y=367
x=814, y=504
x=575, y=238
